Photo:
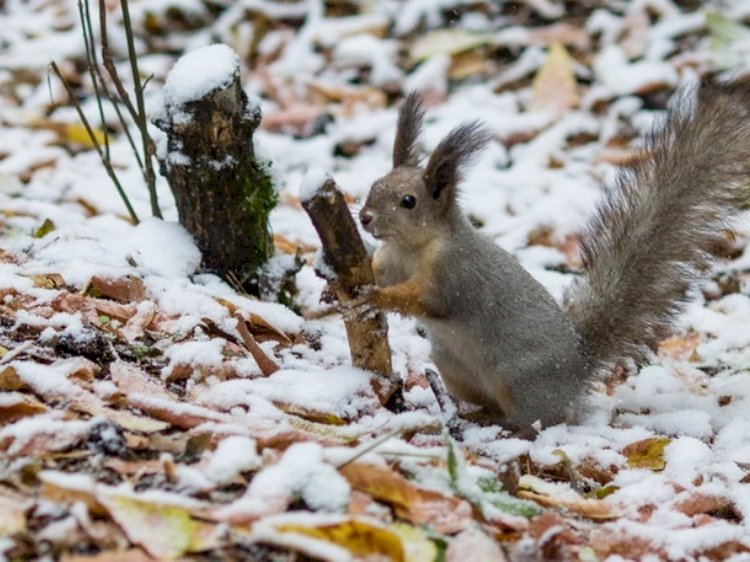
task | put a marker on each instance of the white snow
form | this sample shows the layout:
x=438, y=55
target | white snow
x=314, y=179
x=199, y=72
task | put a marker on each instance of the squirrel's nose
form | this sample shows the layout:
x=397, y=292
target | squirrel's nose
x=365, y=217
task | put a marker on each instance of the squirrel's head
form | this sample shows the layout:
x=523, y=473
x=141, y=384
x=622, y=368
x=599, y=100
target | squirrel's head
x=408, y=203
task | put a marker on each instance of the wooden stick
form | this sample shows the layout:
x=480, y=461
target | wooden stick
x=266, y=364
x=345, y=254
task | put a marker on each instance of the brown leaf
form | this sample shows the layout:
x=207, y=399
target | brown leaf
x=113, y=309
x=418, y=505
x=554, y=88
x=697, y=503
x=9, y=380
x=554, y=536
x=680, y=348
x=12, y=512
x=126, y=289
x=563, y=496
x=472, y=544
x=68, y=489
x=132, y=380
x=15, y=405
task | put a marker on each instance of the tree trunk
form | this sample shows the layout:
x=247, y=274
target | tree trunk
x=223, y=195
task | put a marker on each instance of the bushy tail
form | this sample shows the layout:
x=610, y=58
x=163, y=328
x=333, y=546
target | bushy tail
x=651, y=238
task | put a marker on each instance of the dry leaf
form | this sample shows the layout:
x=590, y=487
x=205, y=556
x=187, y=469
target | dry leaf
x=126, y=289
x=474, y=545
x=563, y=496
x=447, y=514
x=445, y=42
x=164, y=531
x=680, y=348
x=554, y=88
x=68, y=489
x=15, y=405
x=647, y=453
x=361, y=538
x=12, y=512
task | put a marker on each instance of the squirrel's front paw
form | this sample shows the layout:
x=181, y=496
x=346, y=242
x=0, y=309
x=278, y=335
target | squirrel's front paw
x=363, y=304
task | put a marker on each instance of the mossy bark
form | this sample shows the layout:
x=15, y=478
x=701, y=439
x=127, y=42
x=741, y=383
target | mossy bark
x=223, y=194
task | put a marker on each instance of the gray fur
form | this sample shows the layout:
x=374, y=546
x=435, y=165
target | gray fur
x=498, y=338
x=650, y=239
x=410, y=119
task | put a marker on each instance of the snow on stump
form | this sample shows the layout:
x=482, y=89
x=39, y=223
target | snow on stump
x=223, y=194
x=346, y=266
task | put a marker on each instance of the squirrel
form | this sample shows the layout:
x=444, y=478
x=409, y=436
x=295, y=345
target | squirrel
x=498, y=338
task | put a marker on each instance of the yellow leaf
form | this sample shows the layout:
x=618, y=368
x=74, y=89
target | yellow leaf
x=46, y=227
x=49, y=281
x=359, y=537
x=647, y=453
x=417, y=545
x=164, y=531
x=77, y=133
x=446, y=42
x=554, y=87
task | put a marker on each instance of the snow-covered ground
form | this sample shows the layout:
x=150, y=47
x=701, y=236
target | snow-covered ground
x=127, y=396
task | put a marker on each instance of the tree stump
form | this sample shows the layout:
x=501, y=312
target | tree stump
x=347, y=267
x=223, y=194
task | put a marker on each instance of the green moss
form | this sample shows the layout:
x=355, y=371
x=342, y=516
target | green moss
x=260, y=199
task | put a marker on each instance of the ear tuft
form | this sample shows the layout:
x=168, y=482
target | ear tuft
x=410, y=118
x=453, y=154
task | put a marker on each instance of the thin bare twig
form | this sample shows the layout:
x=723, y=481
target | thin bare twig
x=88, y=39
x=148, y=144
x=137, y=115
x=94, y=65
x=95, y=143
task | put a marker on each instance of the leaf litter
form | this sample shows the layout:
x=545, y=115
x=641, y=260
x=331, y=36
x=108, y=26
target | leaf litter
x=149, y=411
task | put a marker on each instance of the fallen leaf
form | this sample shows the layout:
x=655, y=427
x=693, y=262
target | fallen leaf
x=125, y=289
x=417, y=505
x=445, y=42
x=46, y=227
x=361, y=538
x=554, y=536
x=647, y=453
x=418, y=546
x=9, y=380
x=12, y=512
x=680, y=348
x=554, y=87
x=697, y=502
x=64, y=488
x=563, y=496
x=164, y=531
x=474, y=545
x=15, y=405
x=47, y=281
x=79, y=134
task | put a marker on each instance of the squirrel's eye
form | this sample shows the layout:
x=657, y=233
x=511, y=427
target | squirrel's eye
x=408, y=201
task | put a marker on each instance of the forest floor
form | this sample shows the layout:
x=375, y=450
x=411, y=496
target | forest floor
x=136, y=424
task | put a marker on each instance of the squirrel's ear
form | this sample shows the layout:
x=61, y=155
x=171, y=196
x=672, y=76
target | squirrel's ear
x=410, y=117
x=455, y=152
